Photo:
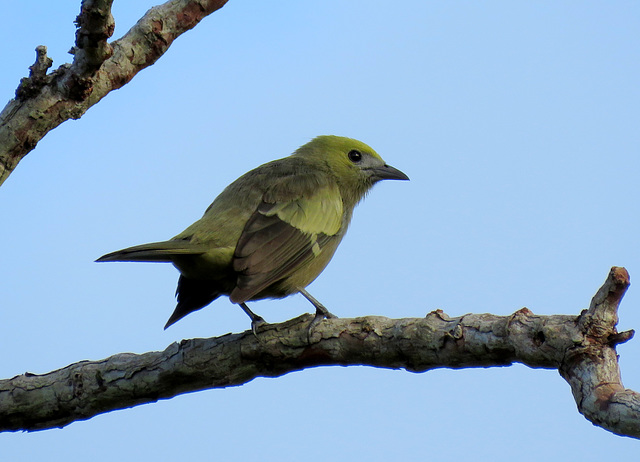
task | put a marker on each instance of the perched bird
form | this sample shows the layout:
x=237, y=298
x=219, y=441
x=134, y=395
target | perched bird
x=271, y=232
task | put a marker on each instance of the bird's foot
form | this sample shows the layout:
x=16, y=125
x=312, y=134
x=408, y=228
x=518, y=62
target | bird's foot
x=255, y=323
x=256, y=320
x=320, y=315
x=321, y=312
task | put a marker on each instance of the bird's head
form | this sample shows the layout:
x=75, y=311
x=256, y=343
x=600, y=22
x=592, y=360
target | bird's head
x=355, y=165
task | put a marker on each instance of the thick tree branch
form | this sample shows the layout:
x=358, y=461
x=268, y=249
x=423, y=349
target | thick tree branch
x=44, y=101
x=581, y=347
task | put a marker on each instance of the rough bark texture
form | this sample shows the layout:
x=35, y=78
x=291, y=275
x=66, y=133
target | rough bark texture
x=44, y=101
x=581, y=347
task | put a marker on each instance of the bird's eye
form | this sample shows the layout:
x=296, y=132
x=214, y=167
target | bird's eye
x=355, y=156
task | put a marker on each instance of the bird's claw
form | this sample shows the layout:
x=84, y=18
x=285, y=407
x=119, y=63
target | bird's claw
x=255, y=323
x=320, y=315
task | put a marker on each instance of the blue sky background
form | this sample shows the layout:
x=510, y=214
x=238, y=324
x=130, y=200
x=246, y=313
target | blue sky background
x=518, y=125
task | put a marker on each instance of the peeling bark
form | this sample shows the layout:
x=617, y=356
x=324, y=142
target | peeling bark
x=581, y=347
x=44, y=101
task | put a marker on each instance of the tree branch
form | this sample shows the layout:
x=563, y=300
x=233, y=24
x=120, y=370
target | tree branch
x=44, y=101
x=581, y=347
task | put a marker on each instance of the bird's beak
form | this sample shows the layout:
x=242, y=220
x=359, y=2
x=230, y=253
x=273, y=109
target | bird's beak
x=387, y=172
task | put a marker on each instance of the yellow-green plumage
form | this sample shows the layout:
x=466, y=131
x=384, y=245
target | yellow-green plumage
x=271, y=232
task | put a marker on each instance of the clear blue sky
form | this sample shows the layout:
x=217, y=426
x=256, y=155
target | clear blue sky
x=518, y=123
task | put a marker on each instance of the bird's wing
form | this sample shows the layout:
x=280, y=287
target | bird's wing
x=281, y=237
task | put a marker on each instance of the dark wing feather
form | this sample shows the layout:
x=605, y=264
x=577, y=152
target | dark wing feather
x=269, y=250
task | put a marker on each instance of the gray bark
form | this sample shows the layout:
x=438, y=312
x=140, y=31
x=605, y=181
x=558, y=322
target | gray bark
x=580, y=347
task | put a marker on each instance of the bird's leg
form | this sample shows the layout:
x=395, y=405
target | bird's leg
x=255, y=319
x=321, y=311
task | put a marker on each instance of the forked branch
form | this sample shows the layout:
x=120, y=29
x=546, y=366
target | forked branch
x=44, y=101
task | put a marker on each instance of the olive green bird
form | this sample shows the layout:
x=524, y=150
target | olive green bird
x=271, y=232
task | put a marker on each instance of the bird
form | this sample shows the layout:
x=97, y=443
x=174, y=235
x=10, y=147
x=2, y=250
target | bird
x=272, y=231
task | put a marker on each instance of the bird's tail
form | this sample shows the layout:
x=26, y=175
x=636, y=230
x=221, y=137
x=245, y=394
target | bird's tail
x=155, y=252
x=193, y=294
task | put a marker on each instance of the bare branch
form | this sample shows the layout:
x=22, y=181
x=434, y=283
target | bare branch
x=44, y=101
x=589, y=364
